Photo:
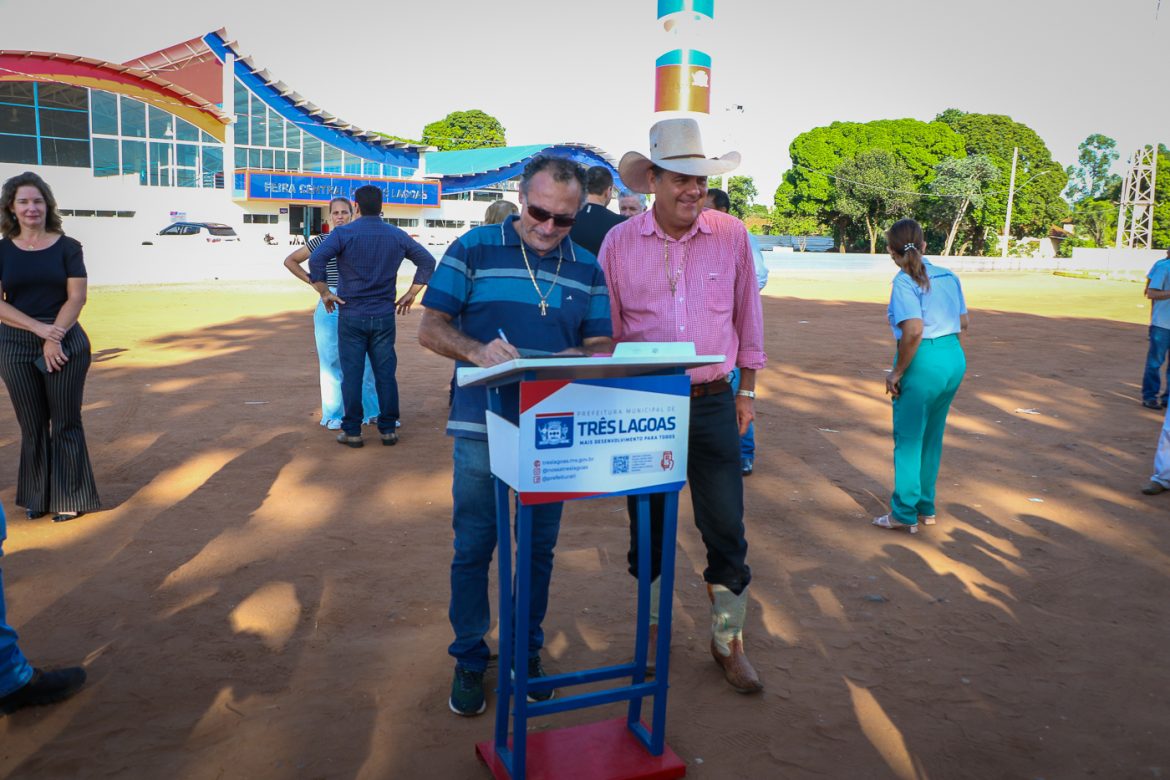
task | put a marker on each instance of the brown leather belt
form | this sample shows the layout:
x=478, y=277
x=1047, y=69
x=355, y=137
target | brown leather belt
x=710, y=388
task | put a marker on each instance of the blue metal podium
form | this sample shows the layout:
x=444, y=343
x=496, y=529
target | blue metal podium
x=633, y=748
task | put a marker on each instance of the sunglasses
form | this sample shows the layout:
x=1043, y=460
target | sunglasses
x=560, y=220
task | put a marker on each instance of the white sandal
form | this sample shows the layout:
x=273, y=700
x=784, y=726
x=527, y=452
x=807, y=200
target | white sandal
x=926, y=519
x=885, y=521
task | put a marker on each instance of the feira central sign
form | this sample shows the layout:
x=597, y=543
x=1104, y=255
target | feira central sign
x=590, y=437
x=323, y=187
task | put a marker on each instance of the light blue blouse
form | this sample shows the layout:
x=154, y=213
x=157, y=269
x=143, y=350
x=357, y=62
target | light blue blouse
x=939, y=309
x=1159, y=277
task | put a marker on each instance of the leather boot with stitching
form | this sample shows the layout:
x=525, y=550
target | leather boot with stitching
x=728, y=612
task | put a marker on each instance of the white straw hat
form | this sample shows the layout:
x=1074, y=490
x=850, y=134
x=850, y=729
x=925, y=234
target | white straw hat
x=675, y=145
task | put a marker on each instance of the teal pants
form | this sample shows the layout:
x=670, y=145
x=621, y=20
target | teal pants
x=920, y=415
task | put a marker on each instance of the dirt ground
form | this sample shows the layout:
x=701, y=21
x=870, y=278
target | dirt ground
x=258, y=602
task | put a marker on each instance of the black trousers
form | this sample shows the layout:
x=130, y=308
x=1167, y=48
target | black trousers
x=713, y=471
x=55, y=473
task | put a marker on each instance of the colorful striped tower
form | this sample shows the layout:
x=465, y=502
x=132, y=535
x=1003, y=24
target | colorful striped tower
x=682, y=75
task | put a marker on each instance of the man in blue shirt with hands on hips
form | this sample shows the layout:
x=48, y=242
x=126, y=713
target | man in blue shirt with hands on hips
x=500, y=289
x=368, y=253
x=1158, y=291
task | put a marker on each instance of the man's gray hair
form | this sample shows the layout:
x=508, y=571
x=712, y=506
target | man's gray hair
x=562, y=169
x=641, y=198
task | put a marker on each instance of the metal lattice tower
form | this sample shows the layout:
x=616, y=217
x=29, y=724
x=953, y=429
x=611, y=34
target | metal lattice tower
x=1135, y=220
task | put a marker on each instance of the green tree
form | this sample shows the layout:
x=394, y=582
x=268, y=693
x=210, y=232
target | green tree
x=808, y=189
x=403, y=139
x=741, y=191
x=873, y=188
x=1161, y=232
x=1090, y=177
x=959, y=183
x=1039, y=179
x=472, y=129
x=1096, y=222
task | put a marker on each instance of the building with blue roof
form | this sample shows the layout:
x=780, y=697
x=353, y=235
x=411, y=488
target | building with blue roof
x=200, y=131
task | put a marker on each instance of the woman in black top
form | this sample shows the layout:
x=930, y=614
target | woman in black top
x=44, y=353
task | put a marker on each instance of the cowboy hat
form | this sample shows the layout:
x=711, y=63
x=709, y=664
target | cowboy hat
x=675, y=145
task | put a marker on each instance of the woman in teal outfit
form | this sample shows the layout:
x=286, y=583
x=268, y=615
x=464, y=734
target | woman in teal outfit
x=927, y=313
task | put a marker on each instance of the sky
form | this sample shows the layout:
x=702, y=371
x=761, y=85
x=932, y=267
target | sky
x=559, y=70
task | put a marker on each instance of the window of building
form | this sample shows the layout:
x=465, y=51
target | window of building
x=133, y=117
x=185, y=131
x=160, y=123
x=445, y=223
x=105, y=157
x=261, y=219
x=243, y=115
x=63, y=96
x=64, y=124
x=457, y=196
x=402, y=222
x=72, y=154
x=18, y=149
x=258, y=122
x=134, y=159
x=17, y=92
x=294, y=161
x=312, y=158
x=103, y=112
x=486, y=196
x=353, y=165
x=275, y=129
x=212, y=166
x=55, y=133
x=292, y=137
x=18, y=120
x=160, y=164
x=332, y=159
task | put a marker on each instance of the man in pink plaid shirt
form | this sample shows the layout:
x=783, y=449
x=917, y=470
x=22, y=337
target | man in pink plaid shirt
x=681, y=273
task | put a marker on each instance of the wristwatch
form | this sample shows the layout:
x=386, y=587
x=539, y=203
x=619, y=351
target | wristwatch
x=746, y=393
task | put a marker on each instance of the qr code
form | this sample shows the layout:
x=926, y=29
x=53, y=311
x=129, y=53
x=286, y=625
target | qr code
x=621, y=464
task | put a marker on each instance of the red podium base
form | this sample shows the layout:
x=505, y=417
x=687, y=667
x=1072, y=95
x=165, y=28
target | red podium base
x=595, y=751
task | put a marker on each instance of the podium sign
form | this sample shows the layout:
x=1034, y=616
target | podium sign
x=593, y=437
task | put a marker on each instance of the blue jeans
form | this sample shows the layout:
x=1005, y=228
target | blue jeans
x=747, y=442
x=474, y=521
x=15, y=671
x=1152, y=381
x=325, y=334
x=359, y=338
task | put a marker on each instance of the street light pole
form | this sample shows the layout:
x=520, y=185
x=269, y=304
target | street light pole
x=1007, y=224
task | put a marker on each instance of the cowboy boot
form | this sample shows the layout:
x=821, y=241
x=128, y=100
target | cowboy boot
x=728, y=612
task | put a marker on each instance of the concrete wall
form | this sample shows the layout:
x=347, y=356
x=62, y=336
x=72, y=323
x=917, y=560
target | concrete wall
x=114, y=250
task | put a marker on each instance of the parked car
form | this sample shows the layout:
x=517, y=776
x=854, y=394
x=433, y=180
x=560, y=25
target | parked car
x=211, y=232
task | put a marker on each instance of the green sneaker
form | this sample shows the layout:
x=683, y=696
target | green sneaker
x=467, y=693
x=536, y=671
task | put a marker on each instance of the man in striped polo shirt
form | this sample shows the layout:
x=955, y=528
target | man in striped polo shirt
x=681, y=273
x=500, y=289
